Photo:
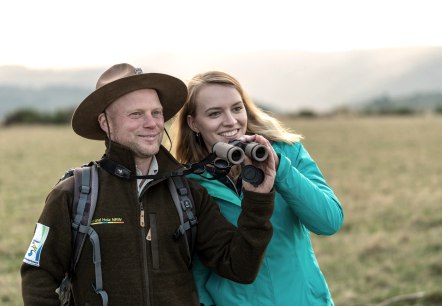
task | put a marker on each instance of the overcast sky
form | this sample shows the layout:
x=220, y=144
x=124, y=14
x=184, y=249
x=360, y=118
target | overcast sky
x=84, y=33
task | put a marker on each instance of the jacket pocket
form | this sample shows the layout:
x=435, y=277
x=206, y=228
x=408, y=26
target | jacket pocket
x=154, y=241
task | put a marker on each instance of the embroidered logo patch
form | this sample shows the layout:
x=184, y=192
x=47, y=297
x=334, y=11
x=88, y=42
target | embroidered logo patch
x=107, y=221
x=32, y=256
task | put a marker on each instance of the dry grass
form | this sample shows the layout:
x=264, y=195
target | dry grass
x=386, y=171
x=32, y=159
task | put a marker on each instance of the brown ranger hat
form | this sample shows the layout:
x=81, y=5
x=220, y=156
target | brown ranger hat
x=117, y=81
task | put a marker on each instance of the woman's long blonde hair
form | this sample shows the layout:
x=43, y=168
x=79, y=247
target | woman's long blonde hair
x=190, y=147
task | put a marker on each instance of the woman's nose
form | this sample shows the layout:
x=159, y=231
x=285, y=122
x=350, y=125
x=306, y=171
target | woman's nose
x=230, y=119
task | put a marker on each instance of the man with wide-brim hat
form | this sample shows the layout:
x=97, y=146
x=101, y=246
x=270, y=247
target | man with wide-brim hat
x=133, y=257
x=155, y=97
x=117, y=81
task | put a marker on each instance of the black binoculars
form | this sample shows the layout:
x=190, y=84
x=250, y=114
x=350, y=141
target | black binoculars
x=235, y=150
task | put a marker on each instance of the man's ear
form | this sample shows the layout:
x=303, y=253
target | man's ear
x=102, y=121
x=191, y=124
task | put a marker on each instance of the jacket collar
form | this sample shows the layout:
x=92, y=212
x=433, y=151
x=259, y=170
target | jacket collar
x=216, y=189
x=124, y=156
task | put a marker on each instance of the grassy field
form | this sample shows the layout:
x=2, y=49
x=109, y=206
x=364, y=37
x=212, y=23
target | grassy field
x=387, y=173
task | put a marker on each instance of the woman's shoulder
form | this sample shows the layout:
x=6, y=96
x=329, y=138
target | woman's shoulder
x=285, y=147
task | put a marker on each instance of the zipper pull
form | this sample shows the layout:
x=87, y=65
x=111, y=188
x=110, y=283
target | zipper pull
x=142, y=217
x=149, y=236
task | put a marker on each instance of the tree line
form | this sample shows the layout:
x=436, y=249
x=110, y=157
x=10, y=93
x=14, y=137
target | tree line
x=27, y=116
x=31, y=116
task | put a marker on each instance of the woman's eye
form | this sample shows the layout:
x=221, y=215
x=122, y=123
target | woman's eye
x=214, y=114
x=237, y=109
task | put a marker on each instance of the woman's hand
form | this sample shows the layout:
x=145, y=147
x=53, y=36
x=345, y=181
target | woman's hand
x=268, y=166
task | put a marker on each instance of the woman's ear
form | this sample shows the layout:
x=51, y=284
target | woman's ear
x=191, y=123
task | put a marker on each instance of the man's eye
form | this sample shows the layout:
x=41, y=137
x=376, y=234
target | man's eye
x=157, y=114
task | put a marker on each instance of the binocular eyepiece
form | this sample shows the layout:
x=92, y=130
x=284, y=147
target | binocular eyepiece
x=235, y=151
x=253, y=150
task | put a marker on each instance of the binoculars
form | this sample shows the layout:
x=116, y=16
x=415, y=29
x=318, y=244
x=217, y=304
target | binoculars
x=235, y=150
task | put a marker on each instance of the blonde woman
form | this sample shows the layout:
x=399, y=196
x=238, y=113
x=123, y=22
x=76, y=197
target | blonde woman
x=218, y=110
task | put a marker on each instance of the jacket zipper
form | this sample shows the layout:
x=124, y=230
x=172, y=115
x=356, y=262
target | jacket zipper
x=144, y=238
x=233, y=186
x=144, y=248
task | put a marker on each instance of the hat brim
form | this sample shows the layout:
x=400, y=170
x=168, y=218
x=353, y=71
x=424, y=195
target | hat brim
x=171, y=91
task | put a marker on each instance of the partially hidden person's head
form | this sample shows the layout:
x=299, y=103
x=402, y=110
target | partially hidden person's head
x=130, y=107
x=218, y=109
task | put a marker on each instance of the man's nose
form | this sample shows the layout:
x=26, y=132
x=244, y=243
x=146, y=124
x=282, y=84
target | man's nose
x=149, y=121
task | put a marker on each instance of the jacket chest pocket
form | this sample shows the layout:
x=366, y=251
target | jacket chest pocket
x=152, y=238
x=165, y=252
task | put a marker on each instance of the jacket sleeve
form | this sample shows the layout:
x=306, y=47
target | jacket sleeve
x=302, y=185
x=47, y=259
x=234, y=253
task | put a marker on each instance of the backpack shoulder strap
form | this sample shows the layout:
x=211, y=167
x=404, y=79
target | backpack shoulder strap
x=84, y=203
x=182, y=197
x=85, y=200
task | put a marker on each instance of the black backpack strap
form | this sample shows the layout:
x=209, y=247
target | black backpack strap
x=182, y=197
x=85, y=200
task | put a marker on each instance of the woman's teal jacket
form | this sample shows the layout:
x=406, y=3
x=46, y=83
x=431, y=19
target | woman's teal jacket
x=289, y=274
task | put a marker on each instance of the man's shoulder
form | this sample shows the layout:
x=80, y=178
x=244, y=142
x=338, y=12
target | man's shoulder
x=66, y=181
x=193, y=185
x=199, y=193
x=65, y=184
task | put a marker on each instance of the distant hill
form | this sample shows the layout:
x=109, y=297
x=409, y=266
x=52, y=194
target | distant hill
x=48, y=99
x=23, y=77
x=281, y=81
x=428, y=101
x=46, y=90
